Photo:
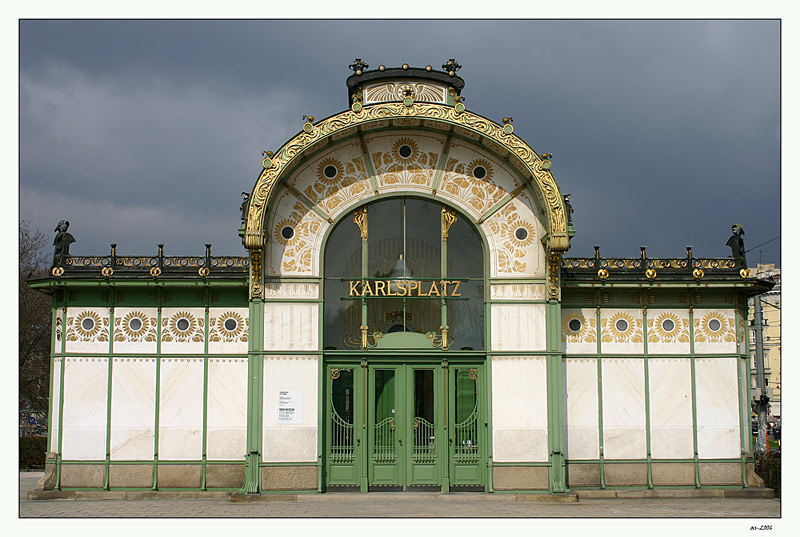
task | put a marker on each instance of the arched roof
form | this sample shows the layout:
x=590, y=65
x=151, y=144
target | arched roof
x=317, y=135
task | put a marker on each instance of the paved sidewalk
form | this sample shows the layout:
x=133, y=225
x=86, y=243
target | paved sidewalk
x=408, y=505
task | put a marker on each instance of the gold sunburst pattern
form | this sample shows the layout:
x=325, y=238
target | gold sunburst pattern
x=229, y=327
x=297, y=256
x=459, y=181
x=510, y=250
x=706, y=329
x=657, y=330
x=393, y=169
x=628, y=331
x=322, y=168
x=400, y=142
x=135, y=327
x=585, y=334
x=182, y=327
x=87, y=326
x=481, y=163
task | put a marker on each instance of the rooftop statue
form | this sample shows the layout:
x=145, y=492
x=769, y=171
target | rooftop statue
x=736, y=242
x=61, y=243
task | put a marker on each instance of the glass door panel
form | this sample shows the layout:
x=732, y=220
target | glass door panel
x=467, y=427
x=385, y=442
x=424, y=463
x=342, y=436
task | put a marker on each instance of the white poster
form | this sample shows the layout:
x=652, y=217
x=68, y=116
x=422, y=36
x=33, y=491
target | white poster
x=290, y=406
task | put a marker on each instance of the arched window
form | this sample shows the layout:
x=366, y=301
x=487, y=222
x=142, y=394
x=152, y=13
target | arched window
x=404, y=265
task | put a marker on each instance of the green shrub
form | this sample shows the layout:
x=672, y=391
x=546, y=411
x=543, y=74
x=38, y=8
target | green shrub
x=32, y=451
x=769, y=468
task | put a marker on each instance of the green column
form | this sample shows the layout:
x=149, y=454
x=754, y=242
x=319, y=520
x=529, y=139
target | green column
x=255, y=391
x=555, y=398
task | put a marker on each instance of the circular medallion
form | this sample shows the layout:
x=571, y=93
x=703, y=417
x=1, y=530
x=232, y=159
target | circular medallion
x=546, y=165
x=621, y=325
x=182, y=324
x=508, y=128
x=357, y=107
x=230, y=324
x=714, y=325
x=668, y=325
x=87, y=323
x=602, y=274
x=698, y=273
x=287, y=232
x=575, y=325
x=135, y=323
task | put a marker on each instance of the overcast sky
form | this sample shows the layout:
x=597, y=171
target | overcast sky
x=143, y=132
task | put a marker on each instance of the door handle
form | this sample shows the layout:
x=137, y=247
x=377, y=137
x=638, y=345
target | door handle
x=358, y=441
x=400, y=440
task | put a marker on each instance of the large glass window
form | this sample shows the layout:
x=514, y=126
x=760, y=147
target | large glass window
x=404, y=265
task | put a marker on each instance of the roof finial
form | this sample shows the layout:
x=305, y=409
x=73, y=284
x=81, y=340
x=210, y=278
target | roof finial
x=359, y=66
x=451, y=66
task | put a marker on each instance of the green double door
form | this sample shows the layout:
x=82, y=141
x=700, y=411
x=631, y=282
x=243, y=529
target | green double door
x=391, y=426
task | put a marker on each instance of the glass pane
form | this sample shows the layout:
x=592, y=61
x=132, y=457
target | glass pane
x=466, y=415
x=423, y=238
x=341, y=449
x=385, y=237
x=423, y=424
x=466, y=317
x=342, y=259
x=464, y=250
x=384, y=394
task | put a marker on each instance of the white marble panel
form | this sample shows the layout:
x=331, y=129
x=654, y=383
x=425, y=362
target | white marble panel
x=624, y=435
x=395, y=173
x=717, y=408
x=291, y=326
x=178, y=338
x=668, y=331
x=714, y=331
x=518, y=327
x=135, y=330
x=671, y=428
x=228, y=330
x=349, y=184
x=300, y=253
x=582, y=339
x=180, y=409
x=55, y=401
x=582, y=437
x=291, y=290
x=133, y=409
x=518, y=291
x=514, y=234
x=290, y=442
x=519, y=408
x=87, y=329
x=85, y=409
x=226, y=420
x=621, y=331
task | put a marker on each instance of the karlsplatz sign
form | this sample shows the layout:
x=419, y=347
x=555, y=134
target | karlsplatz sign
x=404, y=288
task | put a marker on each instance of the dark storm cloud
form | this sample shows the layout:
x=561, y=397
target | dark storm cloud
x=139, y=132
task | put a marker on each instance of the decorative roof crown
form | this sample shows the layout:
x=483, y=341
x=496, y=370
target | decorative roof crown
x=394, y=84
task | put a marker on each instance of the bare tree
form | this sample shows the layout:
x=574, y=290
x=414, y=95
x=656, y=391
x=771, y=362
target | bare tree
x=34, y=322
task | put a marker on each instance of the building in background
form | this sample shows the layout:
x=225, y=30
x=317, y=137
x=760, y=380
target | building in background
x=771, y=314
x=403, y=317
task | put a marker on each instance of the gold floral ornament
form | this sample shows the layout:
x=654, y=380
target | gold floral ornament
x=621, y=327
x=337, y=183
x=513, y=237
x=481, y=169
x=715, y=327
x=472, y=182
x=230, y=327
x=183, y=327
x=297, y=235
x=87, y=326
x=436, y=114
x=135, y=327
x=576, y=328
x=667, y=327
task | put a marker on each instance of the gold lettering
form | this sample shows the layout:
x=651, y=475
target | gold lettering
x=433, y=288
x=367, y=290
x=389, y=288
x=413, y=285
x=455, y=291
x=444, y=287
x=401, y=286
x=354, y=289
x=380, y=288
